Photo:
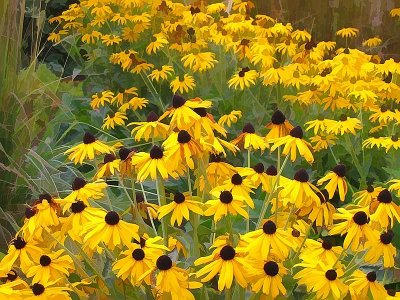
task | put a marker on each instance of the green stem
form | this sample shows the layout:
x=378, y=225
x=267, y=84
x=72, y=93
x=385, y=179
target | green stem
x=148, y=209
x=355, y=161
x=153, y=91
x=248, y=208
x=228, y=294
x=161, y=202
x=303, y=243
x=230, y=228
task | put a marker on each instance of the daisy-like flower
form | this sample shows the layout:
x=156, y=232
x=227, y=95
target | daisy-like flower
x=183, y=84
x=182, y=148
x=257, y=175
x=152, y=163
x=146, y=209
x=158, y=42
x=45, y=290
x=135, y=103
x=320, y=250
x=206, y=126
x=372, y=42
x=362, y=284
x=161, y=73
x=109, y=166
x=337, y=181
x=125, y=164
x=267, y=277
x=292, y=142
x=384, y=211
x=135, y=261
x=347, y=32
x=354, y=225
x=230, y=119
x=11, y=289
x=122, y=94
x=394, y=186
x=109, y=228
x=344, y=125
x=88, y=149
x=383, y=115
x=110, y=39
x=248, y=139
x=322, y=279
x=279, y=126
x=268, y=239
x=225, y=203
x=83, y=191
x=227, y=263
x=322, y=142
x=318, y=125
x=300, y=191
x=321, y=214
x=243, y=79
x=25, y=251
x=101, y=98
x=381, y=247
x=217, y=172
x=114, y=119
x=180, y=208
x=52, y=267
x=365, y=197
x=201, y=61
x=151, y=128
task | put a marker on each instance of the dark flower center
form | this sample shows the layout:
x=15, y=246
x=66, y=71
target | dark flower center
x=45, y=196
x=387, y=237
x=88, y=138
x=259, y=168
x=124, y=153
x=309, y=45
x=215, y=158
x=12, y=275
x=30, y=212
x=327, y=245
x=164, y=263
x=278, y=118
x=271, y=171
x=142, y=242
x=112, y=218
x=227, y=252
x=340, y=170
x=152, y=117
x=184, y=137
x=19, y=243
x=156, y=152
x=77, y=207
x=384, y=196
x=384, y=108
x=226, y=197
x=388, y=78
x=271, y=268
x=179, y=198
x=331, y=275
x=395, y=138
x=301, y=175
x=391, y=292
x=45, y=260
x=78, y=183
x=295, y=233
x=138, y=254
x=178, y=101
x=201, y=111
x=248, y=128
x=323, y=196
x=371, y=276
x=109, y=158
x=360, y=218
x=297, y=132
x=346, y=51
x=370, y=189
x=269, y=227
x=139, y=197
x=242, y=73
x=236, y=179
x=37, y=289
x=343, y=118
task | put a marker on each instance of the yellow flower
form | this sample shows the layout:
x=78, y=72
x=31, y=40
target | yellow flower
x=320, y=250
x=244, y=78
x=230, y=119
x=384, y=211
x=109, y=167
x=279, y=126
x=110, y=39
x=180, y=208
x=321, y=214
x=344, y=125
x=158, y=42
x=201, y=61
x=380, y=246
x=361, y=285
x=292, y=142
x=301, y=35
x=225, y=203
x=372, y=42
x=114, y=119
x=183, y=84
x=161, y=74
x=365, y=197
x=337, y=181
x=248, y=139
x=395, y=186
x=152, y=128
x=395, y=12
x=101, y=98
x=323, y=141
x=55, y=37
x=88, y=149
x=45, y=290
x=347, y=32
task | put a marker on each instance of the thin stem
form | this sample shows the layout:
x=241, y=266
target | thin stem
x=161, y=202
x=148, y=210
x=289, y=216
x=248, y=208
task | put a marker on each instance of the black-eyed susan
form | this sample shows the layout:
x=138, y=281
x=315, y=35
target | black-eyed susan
x=362, y=285
x=394, y=185
x=365, y=197
x=83, y=191
x=151, y=164
x=320, y=250
x=300, y=191
x=122, y=94
x=323, y=141
x=267, y=277
x=337, y=181
x=344, y=125
x=134, y=104
x=199, y=62
x=355, y=224
x=206, y=126
x=183, y=84
x=372, y=42
x=175, y=244
x=158, y=41
x=111, y=39
x=146, y=209
x=292, y=143
x=88, y=149
x=45, y=290
x=269, y=238
x=318, y=125
x=218, y=170
x=230, y=118
x=109, y=228
x=152, y=128
x=249, y=139
x=279, y=126
x=125, y=165
x=384, y=211
x=161, y=73
x=256, y=174
x=180, y=207
x=51, y=267
x=101, y=98
x=110, y=166
x=243, y=79
x=228, y=264
x=114, y=119
x=224, y=204
x=182, y=148
x=380, y=246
